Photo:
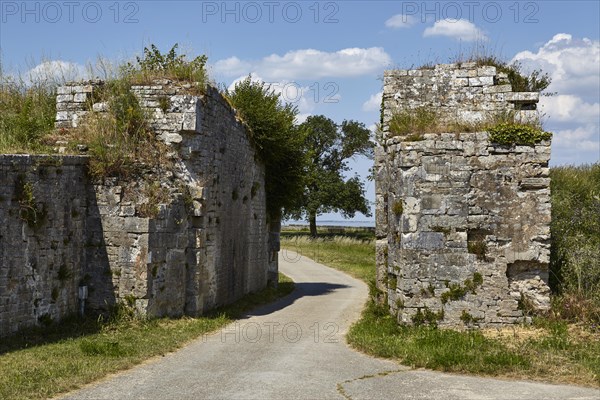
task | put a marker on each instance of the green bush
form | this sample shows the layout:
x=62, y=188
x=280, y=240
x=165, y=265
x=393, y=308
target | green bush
x=26, y=115
x=513, y=133
x=279, y=144
x=575, y=230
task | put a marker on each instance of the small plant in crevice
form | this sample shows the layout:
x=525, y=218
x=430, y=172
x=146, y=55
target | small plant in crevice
x=164, y=103
x=456, y=291
x=54, y=294
x=392, y=281
x=156, y=195
x=30, y=211
x=64, y=273
x=479, y=248
x=441, y=229
x=428, y=317
x=45, y=319
x=467, y=318
x=254, y=189
x=399, y=304
x=526, y=305
x=398, y=208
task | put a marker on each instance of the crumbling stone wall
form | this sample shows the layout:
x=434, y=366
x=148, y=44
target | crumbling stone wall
x=204, y=245
x=462, y=223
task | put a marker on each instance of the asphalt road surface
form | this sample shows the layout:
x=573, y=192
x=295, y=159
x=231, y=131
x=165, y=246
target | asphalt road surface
x=295, y=349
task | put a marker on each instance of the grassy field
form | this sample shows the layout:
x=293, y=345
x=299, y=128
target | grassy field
x=39, y=365
x=550, y=350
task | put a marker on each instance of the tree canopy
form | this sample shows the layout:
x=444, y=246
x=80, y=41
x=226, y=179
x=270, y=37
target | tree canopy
x=328, y=147
x=279, y=142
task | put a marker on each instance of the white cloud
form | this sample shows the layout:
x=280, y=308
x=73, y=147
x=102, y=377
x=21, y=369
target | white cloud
x=573, y=64
x=231, y=66
x=400, y=21
x=374, y=102
x=574, y=114
x=576, y=146
x=309, y=64
x=55, y=71
x=460, y=29
x=569, y=108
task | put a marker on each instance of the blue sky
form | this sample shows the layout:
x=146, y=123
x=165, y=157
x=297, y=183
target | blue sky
x=327, y=57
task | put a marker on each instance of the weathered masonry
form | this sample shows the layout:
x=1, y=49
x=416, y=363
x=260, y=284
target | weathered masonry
x=178, y=241
x=462, y=223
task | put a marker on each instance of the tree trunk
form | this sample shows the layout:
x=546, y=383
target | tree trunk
x=312, y=219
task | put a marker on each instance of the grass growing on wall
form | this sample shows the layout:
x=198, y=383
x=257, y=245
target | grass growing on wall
x=26, y=115
x=550, y=350
x=43, y=364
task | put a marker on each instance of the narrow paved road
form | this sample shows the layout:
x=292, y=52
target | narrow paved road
x=295, y=349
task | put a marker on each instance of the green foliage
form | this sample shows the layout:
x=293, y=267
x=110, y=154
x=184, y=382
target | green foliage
x=536, y=81
x=427, y=317
x=457, y=291
x=479, y=248
x=64, y=273
x=171, y=65
x=26, y=115
x=279, y=144
x=512, y=133
x=414, y=123
x=328, y=147
x=156, y=195
x=120, y=141
x=575, y=232
x=467, y=318
x=392, y=281
x=398, y=208
x=30, y=211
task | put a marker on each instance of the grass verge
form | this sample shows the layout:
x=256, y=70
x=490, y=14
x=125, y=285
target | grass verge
x=39, y=365
x=549, y=350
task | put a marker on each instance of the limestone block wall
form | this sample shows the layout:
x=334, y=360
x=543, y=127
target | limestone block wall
x=42, y=209
x=204, y=245
x=463, y=92
x=462, y=223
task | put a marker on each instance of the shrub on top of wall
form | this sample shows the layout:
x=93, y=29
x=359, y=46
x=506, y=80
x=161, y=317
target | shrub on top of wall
x=513, y=133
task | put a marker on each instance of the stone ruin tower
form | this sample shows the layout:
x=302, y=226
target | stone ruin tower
x=463, y=236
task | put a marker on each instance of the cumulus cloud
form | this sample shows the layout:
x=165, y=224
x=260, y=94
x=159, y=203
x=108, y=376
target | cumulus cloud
x=374, y=102
x=309, y=64
x=574, y=113
x=400, y=21
x=572, y=63
x=569, y=108
x=460, y=29
x=55, y=71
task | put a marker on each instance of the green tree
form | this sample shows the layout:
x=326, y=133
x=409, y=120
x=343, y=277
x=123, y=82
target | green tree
x=328, y=147
x=279, y=142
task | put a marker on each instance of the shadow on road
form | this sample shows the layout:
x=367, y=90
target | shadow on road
x=302, y=289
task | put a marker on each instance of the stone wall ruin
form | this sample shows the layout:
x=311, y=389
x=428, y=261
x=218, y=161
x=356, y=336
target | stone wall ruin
x=205, y=242
x=462, y=223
